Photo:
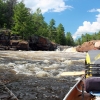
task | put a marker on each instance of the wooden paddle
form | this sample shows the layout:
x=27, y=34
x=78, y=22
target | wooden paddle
x=73, y=73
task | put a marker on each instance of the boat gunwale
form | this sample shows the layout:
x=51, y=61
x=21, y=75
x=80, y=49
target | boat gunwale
x=73, y=87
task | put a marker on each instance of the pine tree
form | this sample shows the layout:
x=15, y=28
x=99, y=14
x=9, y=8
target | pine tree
x=69, y=39
x=22, y=20
x=40, y=27
x=60, y=38
x=52, y=30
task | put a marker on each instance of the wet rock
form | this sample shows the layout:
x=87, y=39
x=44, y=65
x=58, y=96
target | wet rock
x=97, y=44
x=42, y=74
x=91, y=45
x=51, y=67
x=69, y=62
x=11, y=65
x=46, y=61
x=23, y=45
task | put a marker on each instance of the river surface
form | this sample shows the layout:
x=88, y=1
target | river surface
x=36, y=75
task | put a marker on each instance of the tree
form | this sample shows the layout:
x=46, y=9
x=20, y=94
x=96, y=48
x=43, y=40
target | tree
x=52, y=30
x=60, y=37
x=6, y=12
x=69, y=39
x=22, y=20
x=2, y=13
x=9, y=12
x=39, y=25
x=98, y=35
x=78, y=41
x=88, y=37
x=83, y=38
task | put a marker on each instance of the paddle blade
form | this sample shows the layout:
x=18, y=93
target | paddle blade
x=73, y=73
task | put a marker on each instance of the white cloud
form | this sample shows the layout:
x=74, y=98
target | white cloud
x=89, y=27
x=94, y=10
x=47, y=5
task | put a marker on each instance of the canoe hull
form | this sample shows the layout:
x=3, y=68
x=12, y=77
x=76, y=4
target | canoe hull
x=75, y=92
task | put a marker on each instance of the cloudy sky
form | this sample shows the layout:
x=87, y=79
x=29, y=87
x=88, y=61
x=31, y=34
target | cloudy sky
x=77, y=16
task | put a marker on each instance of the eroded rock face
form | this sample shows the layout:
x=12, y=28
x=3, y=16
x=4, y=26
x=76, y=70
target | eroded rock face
x=19, y=44
x=97, y=44
x=91, y=45
x=41, y=43
x=15, y=42
x=23, y=45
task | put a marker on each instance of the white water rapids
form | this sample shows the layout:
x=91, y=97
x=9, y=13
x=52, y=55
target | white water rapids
x=42, y=63
x=36, y=75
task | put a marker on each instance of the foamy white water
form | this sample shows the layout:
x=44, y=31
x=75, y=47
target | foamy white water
x=42, y=63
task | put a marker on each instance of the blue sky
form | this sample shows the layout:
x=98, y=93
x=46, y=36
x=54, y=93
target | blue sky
x=77, y=16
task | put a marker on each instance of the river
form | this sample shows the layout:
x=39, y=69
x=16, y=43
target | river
x=36, y=75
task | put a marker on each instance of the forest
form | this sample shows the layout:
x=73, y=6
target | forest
x=21, y=21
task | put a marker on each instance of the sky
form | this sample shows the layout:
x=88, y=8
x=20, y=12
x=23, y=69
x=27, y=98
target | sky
x=77, y=16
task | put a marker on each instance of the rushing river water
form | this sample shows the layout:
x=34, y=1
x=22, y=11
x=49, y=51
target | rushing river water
x=36, y=75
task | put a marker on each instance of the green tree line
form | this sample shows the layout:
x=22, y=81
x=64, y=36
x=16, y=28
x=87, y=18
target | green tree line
x=87, y=37
x=21, y=21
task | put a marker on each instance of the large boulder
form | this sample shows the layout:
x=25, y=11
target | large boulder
x=41, y=43
x=97, y=44
x=90, y=45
